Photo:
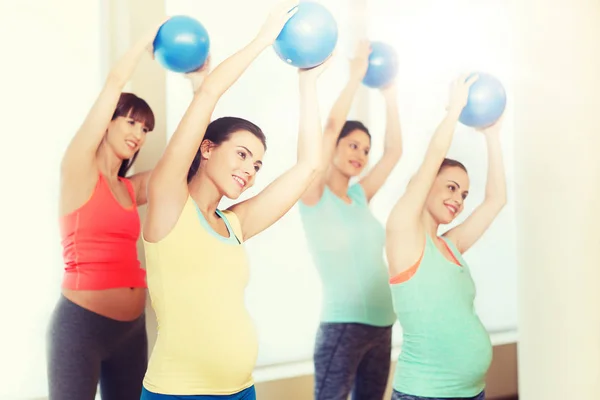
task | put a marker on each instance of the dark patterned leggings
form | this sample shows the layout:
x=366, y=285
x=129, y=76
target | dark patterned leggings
x=352, y=357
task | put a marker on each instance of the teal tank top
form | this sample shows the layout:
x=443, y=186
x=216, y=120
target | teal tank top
x=347, y=242
x=446, y=350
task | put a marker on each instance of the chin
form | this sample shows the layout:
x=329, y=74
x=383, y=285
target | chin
x=126, y=155
x=351, y=172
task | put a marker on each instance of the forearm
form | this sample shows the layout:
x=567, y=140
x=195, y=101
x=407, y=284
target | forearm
x=393, y=132
x=442, y=137
x=227, y=72
x=123, y=69
x=310, y=132
x=341, y=108
x=495, y=189
x=196, y=82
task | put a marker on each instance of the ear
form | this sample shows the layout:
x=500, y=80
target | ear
x=206, y=148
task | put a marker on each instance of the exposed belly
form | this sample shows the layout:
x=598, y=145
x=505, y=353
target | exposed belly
x=121, y=304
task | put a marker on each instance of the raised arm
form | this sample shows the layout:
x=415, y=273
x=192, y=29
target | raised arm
x=404, y=237
x=78, y=162
x=261, y=211
x=392, y=151
x=409, y=207
x=168, y=182
x=467, y=233
x=336, y=120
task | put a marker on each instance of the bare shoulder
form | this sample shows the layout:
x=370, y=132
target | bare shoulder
x=163, y=214
x=76, y=188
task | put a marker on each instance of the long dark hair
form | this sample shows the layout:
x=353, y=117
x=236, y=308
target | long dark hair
x=136, y=108
x=219, y=131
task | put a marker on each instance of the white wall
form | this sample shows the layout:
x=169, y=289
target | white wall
x=49, y=77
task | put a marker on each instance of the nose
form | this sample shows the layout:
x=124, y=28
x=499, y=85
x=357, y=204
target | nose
x=138, y=131
x=458, y=199
x=248, y=168
x=359, y=154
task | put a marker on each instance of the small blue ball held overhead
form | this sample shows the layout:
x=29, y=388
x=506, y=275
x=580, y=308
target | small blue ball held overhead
x=486, y=102
x=309, y=37
x=182, y=44
x=383, y=65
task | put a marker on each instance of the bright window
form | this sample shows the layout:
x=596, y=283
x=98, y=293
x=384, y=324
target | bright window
x=52, y=80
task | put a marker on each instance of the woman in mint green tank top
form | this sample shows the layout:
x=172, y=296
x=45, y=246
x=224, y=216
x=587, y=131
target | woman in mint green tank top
x=352, y=349
x=446, y=350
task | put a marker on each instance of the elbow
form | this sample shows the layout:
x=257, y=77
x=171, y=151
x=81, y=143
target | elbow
x=498, y=201
x=116, y=79
x=208, y=90
x=393, y=153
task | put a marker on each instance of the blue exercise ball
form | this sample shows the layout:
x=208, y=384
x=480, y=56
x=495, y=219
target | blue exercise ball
x=383, y=65
x=309, y=37
x=182, y=44
x=486, y=102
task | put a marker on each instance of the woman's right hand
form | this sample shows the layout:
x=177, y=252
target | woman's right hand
x=278, y=17
x=459, y=92
x=360, y=63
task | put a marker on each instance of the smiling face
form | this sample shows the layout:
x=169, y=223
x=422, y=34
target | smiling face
x=352, y=153
x=448, y=193
x=233, y=164
x=126, y=136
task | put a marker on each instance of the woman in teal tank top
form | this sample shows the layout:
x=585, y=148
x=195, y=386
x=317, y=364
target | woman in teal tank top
x=446, y=350
x=353, y=344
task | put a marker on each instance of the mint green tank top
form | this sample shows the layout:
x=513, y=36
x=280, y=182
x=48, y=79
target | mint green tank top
x=347, y=242
x=446, y=350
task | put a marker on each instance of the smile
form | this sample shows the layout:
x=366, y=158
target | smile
x=239, y=181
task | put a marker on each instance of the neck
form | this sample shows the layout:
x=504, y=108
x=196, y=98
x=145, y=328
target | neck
x=205, y=193
x=108, y=162
x=430, y=224
x=337, y=182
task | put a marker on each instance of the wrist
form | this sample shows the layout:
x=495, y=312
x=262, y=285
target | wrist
x=260, y=42
x=307, y=81
x=453, y=112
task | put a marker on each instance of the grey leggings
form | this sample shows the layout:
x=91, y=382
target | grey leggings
x=352, y=357
x=85, y=347
x=401, y=396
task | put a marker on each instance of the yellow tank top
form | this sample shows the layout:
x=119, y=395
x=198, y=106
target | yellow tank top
x=206, y=342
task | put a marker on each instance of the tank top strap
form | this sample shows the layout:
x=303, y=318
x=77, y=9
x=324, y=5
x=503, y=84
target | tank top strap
x=130, y=189
x=235, y=224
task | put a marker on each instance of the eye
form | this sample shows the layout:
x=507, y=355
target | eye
x=242, y=155
x=257, y=168
x=145, y=130
x=452, y=188
x=353, y=146
x=131, y=122
x=464, y=196
x=366, y=152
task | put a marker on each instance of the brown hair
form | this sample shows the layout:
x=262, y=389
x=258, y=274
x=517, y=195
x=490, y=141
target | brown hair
x=136, y=108
x=219, y=131
x=448, y=162
x=351, y=126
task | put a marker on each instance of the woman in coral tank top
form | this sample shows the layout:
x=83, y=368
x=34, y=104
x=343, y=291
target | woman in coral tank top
x=97, y=331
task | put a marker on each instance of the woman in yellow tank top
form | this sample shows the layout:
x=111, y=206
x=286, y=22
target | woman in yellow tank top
x=196, y=266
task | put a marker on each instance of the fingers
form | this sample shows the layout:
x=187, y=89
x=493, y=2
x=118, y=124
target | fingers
x=472, y=79
x=286, y=8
